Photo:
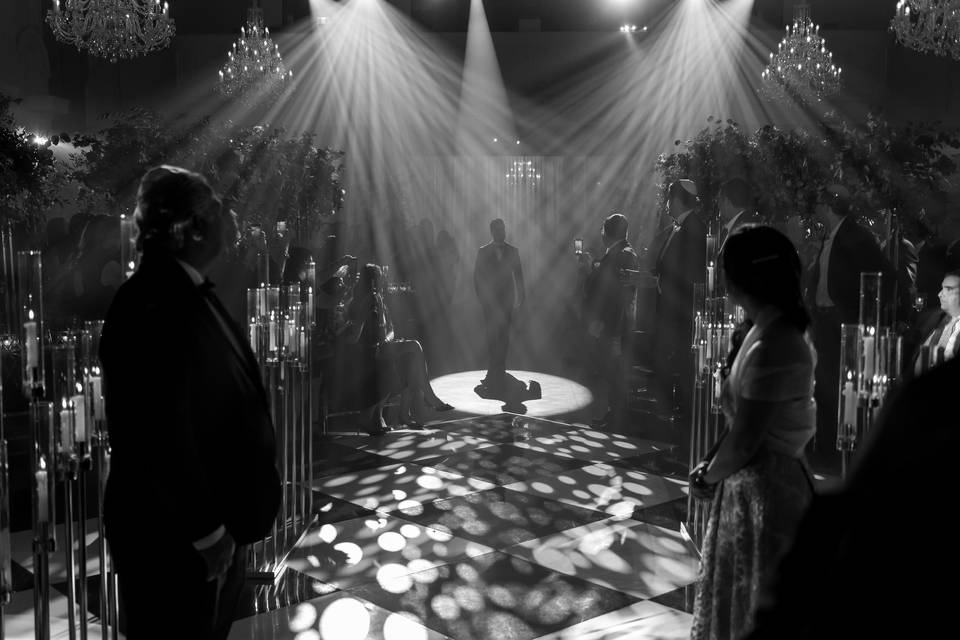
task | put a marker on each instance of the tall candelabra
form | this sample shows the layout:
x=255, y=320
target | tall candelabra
x=714, y=321
x=6, y=568
x=871, y=358
x=280, y=324
x=69, y=443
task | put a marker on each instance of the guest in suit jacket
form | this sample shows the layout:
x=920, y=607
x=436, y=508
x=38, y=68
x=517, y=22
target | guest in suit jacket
x=737, y=208
x=835, y=582
x=610, y=306
x=498, y=281
x=681, y=263
x=942, y=330
x=193, y=477
x=846, y=251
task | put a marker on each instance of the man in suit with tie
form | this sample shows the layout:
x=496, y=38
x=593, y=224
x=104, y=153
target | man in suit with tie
x=737, y=208
x=681, y=262
x=610, y=306
x=942, y=329
x=846, y=250
x=193, y=477
x=498, y=281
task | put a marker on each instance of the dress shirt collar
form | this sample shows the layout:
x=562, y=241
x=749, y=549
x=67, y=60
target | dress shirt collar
x=616, y=246
x=195, y=276
x=680, y=219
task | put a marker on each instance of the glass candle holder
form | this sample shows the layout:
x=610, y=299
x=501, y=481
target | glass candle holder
x=871, y=298
x=129, y=256
x=851, y=377
x=30, y=290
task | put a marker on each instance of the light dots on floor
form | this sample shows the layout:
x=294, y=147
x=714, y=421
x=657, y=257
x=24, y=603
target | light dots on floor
x=410, y=531
x=391, y=541
x=345, y=619
x=352, y=550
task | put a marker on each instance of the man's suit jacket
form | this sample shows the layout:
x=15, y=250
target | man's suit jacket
x=680, y=264
x=835, y=581
x=854, y=250
x=496, y=279
x=742, y=219
x=607, y=299
x=930, y=327
x=193, y=443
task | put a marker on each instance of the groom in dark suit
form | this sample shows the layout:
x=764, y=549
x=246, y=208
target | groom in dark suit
x=498, y=280
x=193, y=477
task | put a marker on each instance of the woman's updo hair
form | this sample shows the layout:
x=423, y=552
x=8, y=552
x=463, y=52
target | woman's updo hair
x=171, y=203
x=371, y=278
x=763, y=263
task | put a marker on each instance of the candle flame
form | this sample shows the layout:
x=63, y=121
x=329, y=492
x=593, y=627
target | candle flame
x=63, y=401
x=43, y=464
x=30, y=314
x=79, y=388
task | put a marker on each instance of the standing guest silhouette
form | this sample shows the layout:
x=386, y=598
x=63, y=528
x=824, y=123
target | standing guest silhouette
x=757, y=478
x=193, y=477
x=681, y=262
x=498, y=280
x=610, y=308
x=846, y=250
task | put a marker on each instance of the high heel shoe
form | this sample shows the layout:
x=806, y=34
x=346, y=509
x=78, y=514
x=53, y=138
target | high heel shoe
x=413, y=425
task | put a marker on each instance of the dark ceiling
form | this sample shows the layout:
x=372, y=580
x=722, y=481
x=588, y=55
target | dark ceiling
x=219, y=16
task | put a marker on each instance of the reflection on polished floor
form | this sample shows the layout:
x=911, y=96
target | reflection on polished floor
x=499, y=527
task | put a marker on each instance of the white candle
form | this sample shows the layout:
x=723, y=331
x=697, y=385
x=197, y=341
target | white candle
x=43, y=501
x=33, y=353
x=710, y=278
x=849, y=404
x=273, y=333
x=79, y=405
x=96, y=393
x=66, y=427
x=869, y=357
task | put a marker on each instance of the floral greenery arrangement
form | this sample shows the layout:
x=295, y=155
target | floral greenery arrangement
x=266, y=175
x=30, y=179
x=905, y=170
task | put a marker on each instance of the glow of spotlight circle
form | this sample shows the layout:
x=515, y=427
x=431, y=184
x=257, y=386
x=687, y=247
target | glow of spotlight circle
x=353, y=551
x=391, y=541
x=558, y=395
x=308, y=634
x=345, y=619
x=399, y=627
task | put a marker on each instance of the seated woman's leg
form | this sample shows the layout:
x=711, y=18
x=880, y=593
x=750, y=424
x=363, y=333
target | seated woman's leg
x=418, y=380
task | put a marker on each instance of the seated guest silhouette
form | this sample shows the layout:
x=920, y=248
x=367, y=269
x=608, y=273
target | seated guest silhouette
x=193, y=477
x=943, y=339
x=392, y=365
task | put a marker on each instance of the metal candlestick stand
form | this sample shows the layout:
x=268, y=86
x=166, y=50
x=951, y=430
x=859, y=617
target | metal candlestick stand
x=714, y=320
x=62, y=433
x=6, y=569
x=870, y=363
x=43, y=460
x=280, y=323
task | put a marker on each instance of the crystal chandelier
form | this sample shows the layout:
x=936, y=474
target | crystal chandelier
x=929, y=26
x=112, y=29
x=253, y=64
x=801, y=69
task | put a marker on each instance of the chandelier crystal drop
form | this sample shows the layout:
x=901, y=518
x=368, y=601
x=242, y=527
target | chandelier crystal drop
x=254, y=64
x=801, y=69
x=928, y=26
x=112, y=29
